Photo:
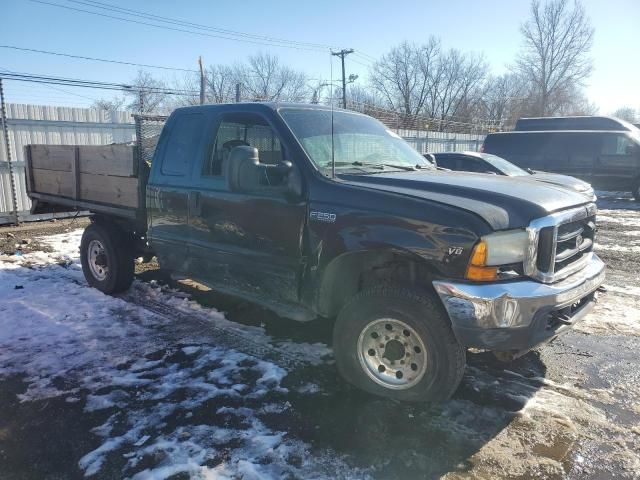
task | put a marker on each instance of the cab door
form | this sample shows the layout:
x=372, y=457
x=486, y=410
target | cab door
x=169, y=187
x=247, y=243
x=618, y=163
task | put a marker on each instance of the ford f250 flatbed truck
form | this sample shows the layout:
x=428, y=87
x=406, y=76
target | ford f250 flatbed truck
x=314, y=212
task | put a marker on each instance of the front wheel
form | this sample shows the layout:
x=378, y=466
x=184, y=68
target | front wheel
x=107, y=261
x=397, y=342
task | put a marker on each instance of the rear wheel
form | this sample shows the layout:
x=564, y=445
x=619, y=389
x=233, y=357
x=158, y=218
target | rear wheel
x=107, y=259
x=397, y=342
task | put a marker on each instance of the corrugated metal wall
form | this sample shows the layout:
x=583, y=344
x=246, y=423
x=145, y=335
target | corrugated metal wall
x=53, y=126
x=434, y=142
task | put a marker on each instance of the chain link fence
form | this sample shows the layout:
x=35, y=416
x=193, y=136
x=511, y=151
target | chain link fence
x=148, y=129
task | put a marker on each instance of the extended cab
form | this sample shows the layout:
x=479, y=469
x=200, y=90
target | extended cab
x=318, y=212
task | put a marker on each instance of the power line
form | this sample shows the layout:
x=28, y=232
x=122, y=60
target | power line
x=366, y=56
x=58, y=89
x=165, y=27
x=28, y=77
x=95, y=59
x=360, y=63
x=107, y=60
x=142, y=14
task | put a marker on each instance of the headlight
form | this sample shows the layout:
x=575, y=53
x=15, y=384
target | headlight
x=495, y=250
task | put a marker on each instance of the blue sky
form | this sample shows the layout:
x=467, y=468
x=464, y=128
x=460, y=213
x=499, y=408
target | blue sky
x=490, y=27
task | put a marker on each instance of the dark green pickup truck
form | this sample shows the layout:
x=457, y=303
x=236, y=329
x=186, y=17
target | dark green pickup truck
x=317, y=212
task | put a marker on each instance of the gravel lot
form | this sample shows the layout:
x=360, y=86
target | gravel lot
x=174, y=381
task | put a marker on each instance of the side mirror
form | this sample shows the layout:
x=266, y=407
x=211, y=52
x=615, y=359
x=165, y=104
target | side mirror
x=244, y=172
x=242, y=160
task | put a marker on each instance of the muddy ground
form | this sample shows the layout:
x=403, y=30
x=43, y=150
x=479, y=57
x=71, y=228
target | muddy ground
x=570, y=409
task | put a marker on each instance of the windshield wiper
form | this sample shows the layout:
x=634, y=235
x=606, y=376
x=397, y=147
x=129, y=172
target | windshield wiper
x=358, y=163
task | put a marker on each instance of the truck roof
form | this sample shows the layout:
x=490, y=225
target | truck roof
x=261, y=106
x=572, y=123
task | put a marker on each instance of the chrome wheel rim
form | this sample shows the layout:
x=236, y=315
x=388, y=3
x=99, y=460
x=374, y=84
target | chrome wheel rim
x=392, y=354
x=97, y=260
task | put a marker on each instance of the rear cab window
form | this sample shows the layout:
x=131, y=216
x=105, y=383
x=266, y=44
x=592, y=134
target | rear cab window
x=183, y=147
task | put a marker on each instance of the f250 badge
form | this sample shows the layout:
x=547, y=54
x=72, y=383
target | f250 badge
x=455, y=251
x=322, y=217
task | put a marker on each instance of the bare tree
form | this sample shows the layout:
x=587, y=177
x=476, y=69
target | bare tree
x=360, y=95
x=220, y=84
x=457, y=88
x=265, y=78
x=148, y=93
x=504, y=98
x=404, y=77
x=115, y=103
x=555, y=58
x=571, y=101
x=185, y=92
x=629, y=114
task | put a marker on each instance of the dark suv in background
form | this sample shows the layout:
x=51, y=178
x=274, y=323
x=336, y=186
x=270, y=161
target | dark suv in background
x=602, y=151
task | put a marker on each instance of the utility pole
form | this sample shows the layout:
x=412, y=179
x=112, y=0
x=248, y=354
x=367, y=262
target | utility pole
x=201, y=81
x=238, y=92
x=343, y=53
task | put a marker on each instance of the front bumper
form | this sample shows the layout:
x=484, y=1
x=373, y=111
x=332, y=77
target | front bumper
x=516, y=316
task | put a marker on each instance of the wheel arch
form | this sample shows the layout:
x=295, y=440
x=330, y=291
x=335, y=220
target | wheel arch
x=351, y=272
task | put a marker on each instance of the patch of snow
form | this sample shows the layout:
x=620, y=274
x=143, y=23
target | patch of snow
x=123, y=360
x=618, y=248
x=615, y=314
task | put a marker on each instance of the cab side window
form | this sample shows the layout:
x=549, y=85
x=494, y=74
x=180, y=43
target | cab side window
x=446, y=162
x=472, y=165
x=183, y=144
x=616, y=145
x=243, y=129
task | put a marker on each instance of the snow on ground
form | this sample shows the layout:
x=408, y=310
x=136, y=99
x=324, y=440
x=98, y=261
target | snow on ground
x=618, y=311
x=187, y=405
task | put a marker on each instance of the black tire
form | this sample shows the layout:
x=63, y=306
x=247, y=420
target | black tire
x=118, y=258
x=445, y=357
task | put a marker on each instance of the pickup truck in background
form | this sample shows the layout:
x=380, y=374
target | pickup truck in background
x=314, y=212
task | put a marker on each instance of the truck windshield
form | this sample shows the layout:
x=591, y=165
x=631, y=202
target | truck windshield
x=359, y=142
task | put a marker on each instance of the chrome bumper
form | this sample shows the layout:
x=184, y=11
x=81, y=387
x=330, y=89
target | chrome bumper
x=490, y=315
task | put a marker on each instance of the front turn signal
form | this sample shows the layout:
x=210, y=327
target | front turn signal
x=477, y=269
x=482, y=274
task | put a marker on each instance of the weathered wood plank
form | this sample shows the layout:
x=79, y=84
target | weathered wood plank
x=75, y=174
x=109, y=189
x=117, y=160
x=28, y=168
x=53, y=182
x=52, y=157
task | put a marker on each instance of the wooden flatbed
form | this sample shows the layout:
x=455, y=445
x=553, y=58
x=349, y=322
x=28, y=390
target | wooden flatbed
x=104, y=179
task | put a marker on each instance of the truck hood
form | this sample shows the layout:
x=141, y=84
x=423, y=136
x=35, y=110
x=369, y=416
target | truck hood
x=503, y=202
x=564, y=181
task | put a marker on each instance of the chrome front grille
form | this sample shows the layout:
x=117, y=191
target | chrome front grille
x=562, y=243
